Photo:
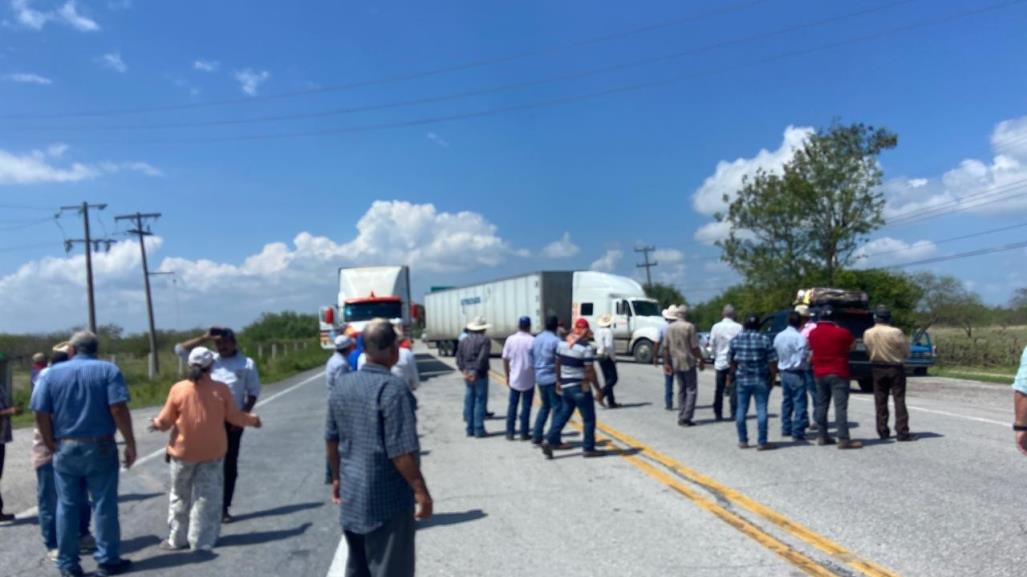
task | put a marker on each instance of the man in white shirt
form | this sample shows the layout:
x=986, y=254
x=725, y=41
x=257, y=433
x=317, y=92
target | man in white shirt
x=793, y=364
x=337, y=364
x=720, y=341
x=519, y=366
x=606, y=354
x=239, y=372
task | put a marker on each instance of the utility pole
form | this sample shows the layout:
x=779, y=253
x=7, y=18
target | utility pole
x=90, y=245
x=138, y=219
x=645, y=250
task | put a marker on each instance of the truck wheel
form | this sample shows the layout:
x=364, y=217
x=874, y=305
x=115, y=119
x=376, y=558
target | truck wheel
x=866, y=385
x=441, y=346
x=920, y=372
x=643, y=352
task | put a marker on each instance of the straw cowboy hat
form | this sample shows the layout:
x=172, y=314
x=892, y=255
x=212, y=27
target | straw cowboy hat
x=605, y=321
x=671, y=313
x=478, y=324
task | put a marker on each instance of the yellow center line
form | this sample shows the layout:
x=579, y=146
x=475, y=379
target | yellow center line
x=805, y=534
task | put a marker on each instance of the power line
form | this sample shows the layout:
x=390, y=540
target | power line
x=582, y=96
x=478, y=92
x=1006, y=191
x=89, y=244
x=948, y=240
x=968, y=254
x=404, y=77
x=645, y=250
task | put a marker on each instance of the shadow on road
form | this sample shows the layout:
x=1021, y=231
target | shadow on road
x=129, y=546
x=133, y=497
x=632, y=405
x=604, y=453
x=283, y=510
x=443, y=519
x=261, y=537
x=172, y=560
x=429, y=367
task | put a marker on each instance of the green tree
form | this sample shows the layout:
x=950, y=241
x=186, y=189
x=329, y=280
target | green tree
x=803, y=226
x=282, y=326
x=666, y=294
x=947, y=301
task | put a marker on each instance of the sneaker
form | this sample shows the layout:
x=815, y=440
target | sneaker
x=563, y=447
x=52, y=554
x=509, y=437
x=525, y=437
x=799, y=439
x=813, y=427
x=536, y=442
x=763, y=447
x=6, y=518
x=907, y=437
x=106, y=570
x=166, y=545
x=547, y=450
x=743, y=445
x=87, y=544
x=825, y=441
x=227, y=518
x=480, y=435
x=850, y=445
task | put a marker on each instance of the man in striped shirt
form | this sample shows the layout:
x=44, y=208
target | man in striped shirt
x=575, y=374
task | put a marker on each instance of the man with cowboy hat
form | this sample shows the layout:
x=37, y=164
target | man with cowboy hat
x=606, y=353
x=670, y=314
x=575, y=376
x=472, y=358
x=682, y=357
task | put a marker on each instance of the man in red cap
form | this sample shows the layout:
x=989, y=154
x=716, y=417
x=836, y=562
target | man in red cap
x=575, y=374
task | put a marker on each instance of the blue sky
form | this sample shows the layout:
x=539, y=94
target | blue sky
x=257, y=217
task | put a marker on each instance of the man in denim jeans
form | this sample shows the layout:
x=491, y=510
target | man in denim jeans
x=831, y=344
x=575, y=366
x=793, y=364
x=543, y=354
x=670, y=314
x=754, y=361
x=79, y=404
x=472, y=358
x=519, y=377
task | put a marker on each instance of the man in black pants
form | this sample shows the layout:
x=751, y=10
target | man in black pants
x=606, y=353
x=7, y=410
x=239, y=372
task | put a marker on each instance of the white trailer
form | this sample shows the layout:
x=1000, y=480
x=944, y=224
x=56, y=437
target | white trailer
x=366, y=293
x=564, y=294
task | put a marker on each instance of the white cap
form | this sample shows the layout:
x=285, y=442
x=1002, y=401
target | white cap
x=343, y=341
x=201, y=357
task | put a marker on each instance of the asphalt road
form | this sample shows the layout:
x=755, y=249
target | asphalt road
x=666, y=501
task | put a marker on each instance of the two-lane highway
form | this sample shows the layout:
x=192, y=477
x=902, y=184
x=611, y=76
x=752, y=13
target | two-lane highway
x=667, y=501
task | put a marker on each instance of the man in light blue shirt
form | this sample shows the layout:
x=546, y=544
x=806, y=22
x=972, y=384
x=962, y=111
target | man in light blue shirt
x=79, y=404
x=338, y=364
x=543, y=354
x=793, y=363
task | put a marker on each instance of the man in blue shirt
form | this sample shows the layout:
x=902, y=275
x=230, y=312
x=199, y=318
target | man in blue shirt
x=754, y=361
x=543, y=354
x=793, y=364
x=380, y=479
x=79, y=404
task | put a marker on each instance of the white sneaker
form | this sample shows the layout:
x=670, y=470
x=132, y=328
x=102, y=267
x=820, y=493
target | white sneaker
x=52, y=554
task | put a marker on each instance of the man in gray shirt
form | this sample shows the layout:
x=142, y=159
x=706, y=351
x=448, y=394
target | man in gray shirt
x=472, y=358
x=376, y=472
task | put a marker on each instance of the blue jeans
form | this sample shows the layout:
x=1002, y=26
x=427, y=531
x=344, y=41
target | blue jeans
x=525, y=398
x=793, y=404
x=78, y=467
x=46, y=500
x=574, y=397
x=668, y=391
x=811, y=390
x=762, y=395
x=550, y=403
x=474, y=406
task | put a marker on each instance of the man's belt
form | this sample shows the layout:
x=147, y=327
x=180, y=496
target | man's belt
x=86, y=440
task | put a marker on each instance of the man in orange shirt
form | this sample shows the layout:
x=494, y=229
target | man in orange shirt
x=198, y=408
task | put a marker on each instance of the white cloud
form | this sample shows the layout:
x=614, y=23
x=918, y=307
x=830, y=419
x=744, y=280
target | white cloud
x=437, y=139
x=609, y=261
x=29, y=17
x=727, y=177
x=250, y=80
x=206, y=65
x=68, y=13
x=27, y=78
x=885, y=251
x=113, y=61
x=668, y=256
x=36, y=167
x=280, y=276
x=562, y=248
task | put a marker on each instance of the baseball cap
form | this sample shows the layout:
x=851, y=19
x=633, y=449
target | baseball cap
x=201, y=357
x=343, y=341
x=581, y=323
x=524, y=322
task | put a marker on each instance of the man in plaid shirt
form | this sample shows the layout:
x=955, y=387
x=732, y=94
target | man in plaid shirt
x=754, y=361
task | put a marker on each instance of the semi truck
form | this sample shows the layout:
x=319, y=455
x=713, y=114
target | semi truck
x=366, y=293
x=567, y=295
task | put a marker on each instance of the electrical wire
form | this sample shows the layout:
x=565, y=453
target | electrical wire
x=459, y=67
x=968, y=254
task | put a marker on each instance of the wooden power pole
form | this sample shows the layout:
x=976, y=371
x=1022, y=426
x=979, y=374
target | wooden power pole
x=138, y=219
x=645, y=250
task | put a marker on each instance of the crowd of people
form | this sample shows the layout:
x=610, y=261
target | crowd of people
x=810, y=358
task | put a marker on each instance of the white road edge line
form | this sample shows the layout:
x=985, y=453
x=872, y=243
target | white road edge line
x=159, y=452
x=944, y=413
x=338, y=568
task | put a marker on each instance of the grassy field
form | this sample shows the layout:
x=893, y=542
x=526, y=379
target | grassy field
x=292, y=358
x=993, y=351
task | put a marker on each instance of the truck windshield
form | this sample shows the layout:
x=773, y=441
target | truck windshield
x=372, y=310
x=646, y=308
